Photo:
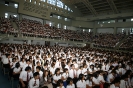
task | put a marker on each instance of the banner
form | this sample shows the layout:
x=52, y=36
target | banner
x=33, y=10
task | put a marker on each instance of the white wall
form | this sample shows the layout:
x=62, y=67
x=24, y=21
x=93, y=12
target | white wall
x=73, y=28
x=105, y=30
x=119, y=30
x=38, y=42
x=12, y=41
x=32, y=18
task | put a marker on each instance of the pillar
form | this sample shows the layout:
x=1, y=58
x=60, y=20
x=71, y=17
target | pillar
x=115, y=30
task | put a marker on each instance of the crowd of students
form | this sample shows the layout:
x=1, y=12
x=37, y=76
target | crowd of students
x=127, y=44
x=37, y=66
x=107, y=40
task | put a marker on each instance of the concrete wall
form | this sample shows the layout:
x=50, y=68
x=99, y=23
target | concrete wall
x=105, y=30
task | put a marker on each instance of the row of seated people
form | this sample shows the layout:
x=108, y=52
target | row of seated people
x=107, y=40
x=6, y=26
x=127, y=44
x=36, y=28
x=37, y=66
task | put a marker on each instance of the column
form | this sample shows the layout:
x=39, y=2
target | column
x=115, y=30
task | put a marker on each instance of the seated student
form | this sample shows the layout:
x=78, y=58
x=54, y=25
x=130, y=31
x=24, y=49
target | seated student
x=123, y=80
x=115, y=83
x=111, y=76
x=81, y=82
x=56, y=77
x=70, y=83
x=34, y=82
x=25, y=76
x=89, y=81
x=45, y=79
x=60, y=84
x=65, y=76
x=6, y=61
x=13, y=63
x=16, y=70
x=38, y=69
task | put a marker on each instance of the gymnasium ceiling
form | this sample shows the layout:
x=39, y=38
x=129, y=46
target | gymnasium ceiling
x=95, y=7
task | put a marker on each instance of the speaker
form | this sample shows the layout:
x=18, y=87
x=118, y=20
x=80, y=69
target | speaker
x=124, y=20
x=6, y=2
x=51, y=15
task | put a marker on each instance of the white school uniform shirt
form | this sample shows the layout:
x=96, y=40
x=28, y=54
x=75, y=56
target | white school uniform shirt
x=76, y=65
x=79, y=72
x=5, y=60
x=84, y=70
x=13, y=64
x=67, y=67
x=23, y=75
x=16, y=70
x=52, y=70
x=32, y=83
x=112, y=86
x=70, y=86
x=81, y=84
x=71, y=73
x=26, y=65
x=61, y=87
x=96, y=81
x=122, y=84
x=65, y=76
x=56, y=77
x=110, y=76
x=22, y=64
x=89, y=83
x=100, y=78
x=40, y=74
x=58, y=64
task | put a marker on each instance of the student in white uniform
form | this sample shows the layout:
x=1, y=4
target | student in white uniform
x=60, y=84
x=6, y=61
x=56, y=77
x=25, y=76
x=115, y=83
x=70, y=83
x=89, y=81
x=38, y=69
x=65, y=76
x=27, y=64
x=73, y=74
x=34, y=82
x=123, y=80
x=16, y=71
x=81, y=82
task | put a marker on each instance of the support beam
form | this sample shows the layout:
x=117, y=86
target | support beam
x=113, y=6
x=90, y=7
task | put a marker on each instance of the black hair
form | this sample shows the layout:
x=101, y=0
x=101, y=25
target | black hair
x=65, y=69
x=69, y=79
x=27, y=68
x=81, y=76
x=106, y=85
x=38, y=67
x=57, y=69
x=89, y=77
x=35, y=74
x=116, y=80
x=17, y=65
x=59, y=82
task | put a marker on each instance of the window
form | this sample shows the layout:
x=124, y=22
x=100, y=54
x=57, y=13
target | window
x=65, y=19
x=83, y=30
x=50, y=24
x=122, y=30
x=43, y=0
x=68, y=9
x=131, y=19
x=58, y=17
x=131, y=30
x=103, y=21
x=60, y=4
x=14, y=15
x=89, y=30
x=39, y=3
x=71, y=10
x=35, y=2
x=52, y=2
x=109, y=22
x=65, y=7
x=58, y=25
x=98, y=22
x=65, y=27
x=6, y=15
x=16, y=5
x=30, y=0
